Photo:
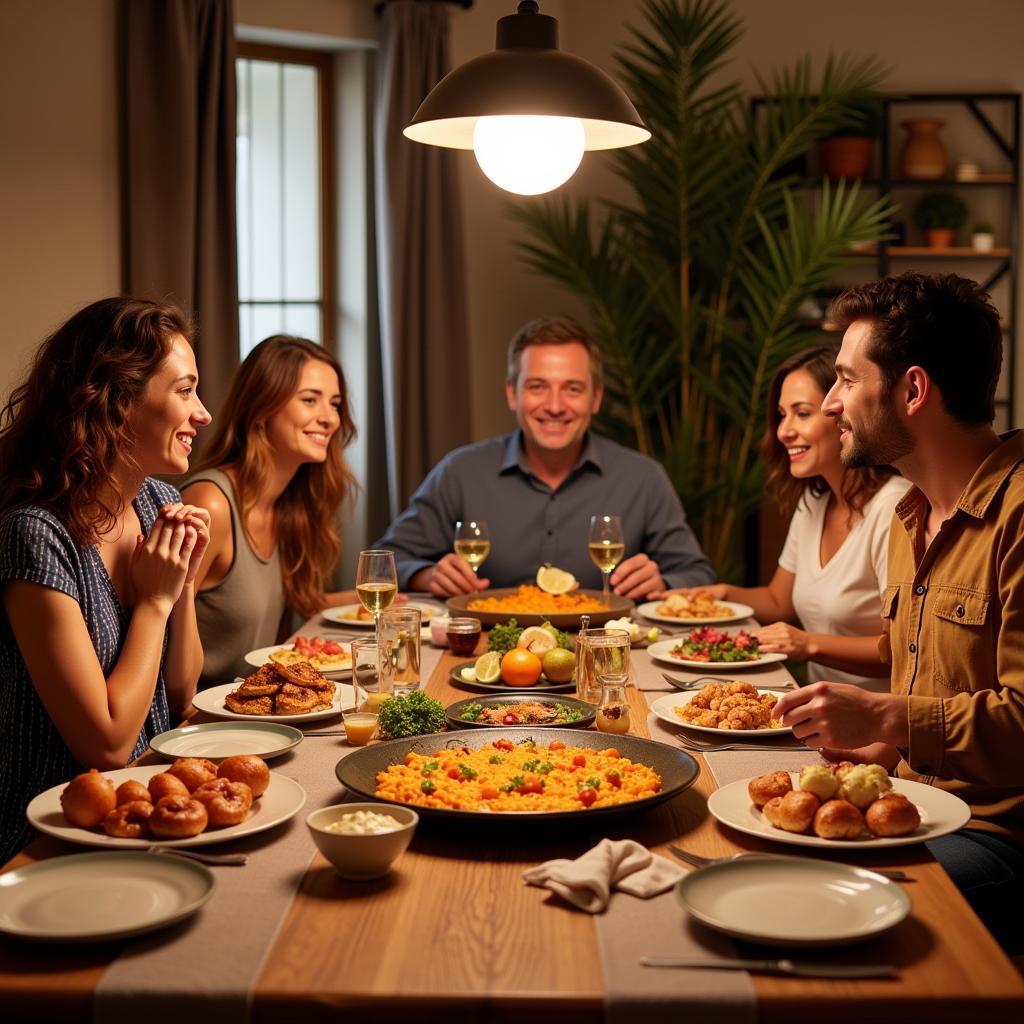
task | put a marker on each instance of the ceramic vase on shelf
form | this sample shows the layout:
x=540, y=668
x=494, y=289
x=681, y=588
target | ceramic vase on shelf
x=924, y=155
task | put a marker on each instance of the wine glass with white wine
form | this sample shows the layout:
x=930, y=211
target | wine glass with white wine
x=472, y=542
x=376, y=582
x=606, y=546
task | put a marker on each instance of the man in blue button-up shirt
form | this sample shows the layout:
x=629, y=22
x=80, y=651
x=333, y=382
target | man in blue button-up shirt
x=538, y=487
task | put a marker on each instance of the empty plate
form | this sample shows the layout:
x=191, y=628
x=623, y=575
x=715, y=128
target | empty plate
x=92, y=897
x=217, y=740
x=793, y=901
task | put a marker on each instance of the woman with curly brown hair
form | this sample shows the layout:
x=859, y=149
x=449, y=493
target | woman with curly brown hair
x=832, y=571
x=273, y=478
x=98, y=636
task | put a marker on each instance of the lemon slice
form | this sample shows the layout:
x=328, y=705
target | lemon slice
x=555, y=581
x=487, y=667
x=468, y=674
x=536, y=639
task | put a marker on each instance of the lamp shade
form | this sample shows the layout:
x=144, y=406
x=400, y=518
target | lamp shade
x=527, y=75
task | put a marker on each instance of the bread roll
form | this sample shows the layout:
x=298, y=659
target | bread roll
x=247, y=768
x=892, y=815
x=767, y=787
x=838, y=819
x=796, y=811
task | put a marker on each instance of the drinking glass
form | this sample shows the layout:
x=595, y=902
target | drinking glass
x=472, y=542
x=606, y=546
x=600, y=654
x=376, y=582
x=400, y=647
x=371, y=684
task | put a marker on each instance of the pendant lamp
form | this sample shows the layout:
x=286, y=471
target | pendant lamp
x=527, y=110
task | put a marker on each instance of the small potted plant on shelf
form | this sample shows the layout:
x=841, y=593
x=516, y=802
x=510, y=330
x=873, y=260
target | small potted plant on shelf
x=938, y=215
x=848, y=154
x=982, y=236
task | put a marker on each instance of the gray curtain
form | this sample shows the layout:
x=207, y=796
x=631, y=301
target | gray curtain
x=424, y=337
x=179, y=170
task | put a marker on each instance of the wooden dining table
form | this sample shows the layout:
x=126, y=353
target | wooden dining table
x=453, y=933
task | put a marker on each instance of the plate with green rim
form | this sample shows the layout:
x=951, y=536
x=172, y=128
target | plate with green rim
x=95, y=897
x=586, y=711
x=543, y=685
x=217, y=740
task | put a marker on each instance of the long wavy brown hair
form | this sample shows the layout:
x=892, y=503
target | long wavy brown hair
x=307, y=534
x=859, y=485
x=64, y=431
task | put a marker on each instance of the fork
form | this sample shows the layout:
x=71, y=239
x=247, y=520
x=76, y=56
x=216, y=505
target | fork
x=712, y=748
x=702, y=862
x=227, y=859
x=696, y=684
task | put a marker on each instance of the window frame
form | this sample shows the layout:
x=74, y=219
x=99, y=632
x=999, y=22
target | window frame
x=324, y=64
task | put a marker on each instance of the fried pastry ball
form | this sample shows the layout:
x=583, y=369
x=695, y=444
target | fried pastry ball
x=166, y=784
x=194, y=771
x=767, y=787
x=247, y=768
x=226, y=802
x=129, y=820
x=177, y=817
x=892, y=815
x=863, y=784
x=131, y=791
x=87, y=799
x=817, y=779
x=838, y=819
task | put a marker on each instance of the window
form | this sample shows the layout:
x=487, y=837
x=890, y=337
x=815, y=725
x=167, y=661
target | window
x=283, y=194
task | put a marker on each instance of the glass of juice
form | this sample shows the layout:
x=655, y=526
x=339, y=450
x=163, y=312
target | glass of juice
x=400, y=644
x=371, y=683
x=463, y=636
x=360, y=727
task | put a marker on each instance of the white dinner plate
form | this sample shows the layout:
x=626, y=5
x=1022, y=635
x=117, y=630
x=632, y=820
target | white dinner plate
x=793, y=901
x=737, y=612
x=664, y=707
x=212, y=702
x=261, y=656
x=660, y=652
x=217, y=740
x=283, y=799
x=941, y=813
x=93, y=897
x=345, y=614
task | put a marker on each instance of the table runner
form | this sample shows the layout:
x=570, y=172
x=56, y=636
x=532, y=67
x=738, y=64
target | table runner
x=204, y=969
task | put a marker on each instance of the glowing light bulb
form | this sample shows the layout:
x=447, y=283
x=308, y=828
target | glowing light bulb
x=528, y=154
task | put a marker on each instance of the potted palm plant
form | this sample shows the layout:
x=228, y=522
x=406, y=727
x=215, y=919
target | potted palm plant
x=938, y=215
x=693, y=284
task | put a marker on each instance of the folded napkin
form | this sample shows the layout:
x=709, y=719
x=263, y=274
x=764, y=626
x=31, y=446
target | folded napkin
x=588, y=881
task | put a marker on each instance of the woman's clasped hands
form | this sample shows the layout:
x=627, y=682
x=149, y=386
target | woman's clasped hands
x=167, y=561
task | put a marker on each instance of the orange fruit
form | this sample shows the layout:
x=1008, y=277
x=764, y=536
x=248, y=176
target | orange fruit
x=520, y=667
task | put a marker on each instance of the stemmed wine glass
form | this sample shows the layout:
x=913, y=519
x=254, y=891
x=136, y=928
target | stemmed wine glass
x=376, y=583
x=472, y=542
x=606, y=546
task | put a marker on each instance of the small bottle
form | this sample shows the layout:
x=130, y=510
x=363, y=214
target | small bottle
x=613, y=711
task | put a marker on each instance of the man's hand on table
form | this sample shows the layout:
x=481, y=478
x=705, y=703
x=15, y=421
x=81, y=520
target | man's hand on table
x=448, y=578
x=637, y=577
x=874, y=753
x=839, y=715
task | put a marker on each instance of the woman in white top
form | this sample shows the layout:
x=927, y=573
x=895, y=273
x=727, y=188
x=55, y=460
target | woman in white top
x=832, y=570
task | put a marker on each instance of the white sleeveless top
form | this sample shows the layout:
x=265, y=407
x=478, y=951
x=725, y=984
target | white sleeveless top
x=844, y=597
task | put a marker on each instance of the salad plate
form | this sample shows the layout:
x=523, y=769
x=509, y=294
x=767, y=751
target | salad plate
x=662, y=651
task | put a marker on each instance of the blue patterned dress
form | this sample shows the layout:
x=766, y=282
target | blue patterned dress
x=34, y=546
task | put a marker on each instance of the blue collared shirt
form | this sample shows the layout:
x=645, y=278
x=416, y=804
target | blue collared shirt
x=530, y=524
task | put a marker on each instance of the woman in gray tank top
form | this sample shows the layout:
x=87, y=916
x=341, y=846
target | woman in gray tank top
x=272, y=478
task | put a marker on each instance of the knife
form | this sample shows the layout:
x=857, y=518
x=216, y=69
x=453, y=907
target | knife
x=776, y=967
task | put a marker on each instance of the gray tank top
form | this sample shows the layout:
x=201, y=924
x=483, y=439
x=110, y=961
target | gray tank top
x=244, y=610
